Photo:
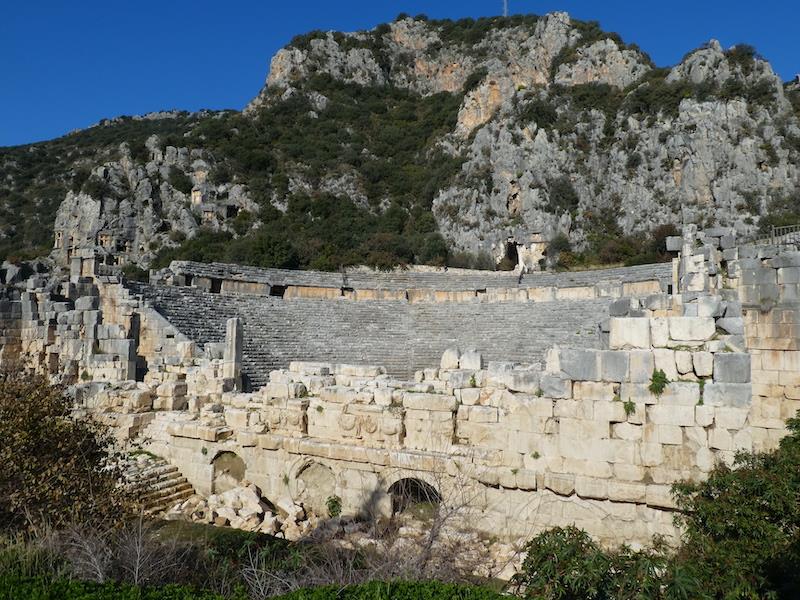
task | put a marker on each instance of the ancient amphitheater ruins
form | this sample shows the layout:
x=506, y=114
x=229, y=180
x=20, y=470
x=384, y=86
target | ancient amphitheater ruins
x=540, y=394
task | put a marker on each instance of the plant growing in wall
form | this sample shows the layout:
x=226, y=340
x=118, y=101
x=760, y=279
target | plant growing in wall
x=334, y=506
x=658, y=382
x=630, y=407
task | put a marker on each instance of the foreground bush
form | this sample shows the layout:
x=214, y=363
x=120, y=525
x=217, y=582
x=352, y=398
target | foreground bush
x=43, y=589
x=396, y=590
x=741, y=540
x=54, y=467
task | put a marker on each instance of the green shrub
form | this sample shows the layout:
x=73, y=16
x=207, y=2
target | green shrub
x=53, y=465
x=658, y=381
x=396, y=590
x=180, y=180
x=333, y=504
x=742, y=525
x=563, y=197
x=133, y=273
x=42, y=589
x=474, y=79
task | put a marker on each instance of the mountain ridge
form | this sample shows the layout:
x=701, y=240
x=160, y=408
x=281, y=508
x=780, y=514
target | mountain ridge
x=435, y=141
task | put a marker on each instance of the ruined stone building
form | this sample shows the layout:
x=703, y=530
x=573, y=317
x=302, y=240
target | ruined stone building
x=539, y=393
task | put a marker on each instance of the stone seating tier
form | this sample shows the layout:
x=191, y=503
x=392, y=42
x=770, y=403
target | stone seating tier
x=452, y=280
x=401, y=336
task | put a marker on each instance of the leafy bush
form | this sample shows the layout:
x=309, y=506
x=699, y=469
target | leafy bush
x=180, y=180
x=474, y=79
x=742, y=526
x=563, y=197
x=541, y=112
x=53, y=467
x=42, y=589
x=396, y=590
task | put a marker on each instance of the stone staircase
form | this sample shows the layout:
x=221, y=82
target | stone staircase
x=160, y=483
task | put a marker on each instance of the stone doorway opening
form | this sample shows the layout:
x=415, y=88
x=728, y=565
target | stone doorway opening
x=413, y=495
x=229, y=471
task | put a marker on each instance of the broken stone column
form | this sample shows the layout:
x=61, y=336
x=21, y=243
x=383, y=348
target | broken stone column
x=232, y=358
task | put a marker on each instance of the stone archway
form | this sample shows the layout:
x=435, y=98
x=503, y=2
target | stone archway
x=229, y=469
x=410, y=492
x=315, y=483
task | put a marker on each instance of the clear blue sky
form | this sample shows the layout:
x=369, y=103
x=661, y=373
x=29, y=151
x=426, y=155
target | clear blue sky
x=66, y=64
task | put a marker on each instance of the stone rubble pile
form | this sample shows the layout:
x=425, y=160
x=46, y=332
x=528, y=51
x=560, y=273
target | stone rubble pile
x=243, y=507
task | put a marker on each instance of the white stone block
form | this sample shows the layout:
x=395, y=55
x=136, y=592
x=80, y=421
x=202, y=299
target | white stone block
x=665, y=361
x=703, y=363
x=629, y=332
x=685, y=329
x=450, y=359
x=683, y=361
x=659, y=332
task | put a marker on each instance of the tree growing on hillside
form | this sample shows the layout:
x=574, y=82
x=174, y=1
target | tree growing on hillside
x=54, y=468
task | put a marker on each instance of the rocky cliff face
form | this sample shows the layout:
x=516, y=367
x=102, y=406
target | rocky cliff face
x=557, y=129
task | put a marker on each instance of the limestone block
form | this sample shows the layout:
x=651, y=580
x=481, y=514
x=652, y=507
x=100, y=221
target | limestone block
x=498, y=372
x=636, y=392
x=626, y=431
x=705, y=459
x=614, y=365
x=573, y=409
x=731, y=325
x=553, y=386
x=629, y=332
x=704, y=415
x=629, y=472
x=462, y=379
x=683, y=361
x=422, y=401
x=703, y=363
x=519, y=380
x=560, y=483
x=642, y=364
x=684, y=393
x=691, y=328
x=591, y=487
x=382, y=396
x=729, y=417
x=660, y=496
x=731, y=367
x=651, y=454
x=671, y=415
x=450, y=359
x=552, y=360
x=483, y=414
x=659, y=332
x=526, y=479
x=710, y=306
x=172, y=389
x=471, y=359
x=728, y=394
x=720, y=438
x=626, y=491
x=87, y=303
x=579, y=429
x=609, y=410
x=580, y=365
x=665, y=361
x=469, y=396
x=593, y=390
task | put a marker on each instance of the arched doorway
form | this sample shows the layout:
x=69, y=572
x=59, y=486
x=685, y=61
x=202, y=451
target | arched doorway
x=413, y=494
x=316, y=484
x=229, y=471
